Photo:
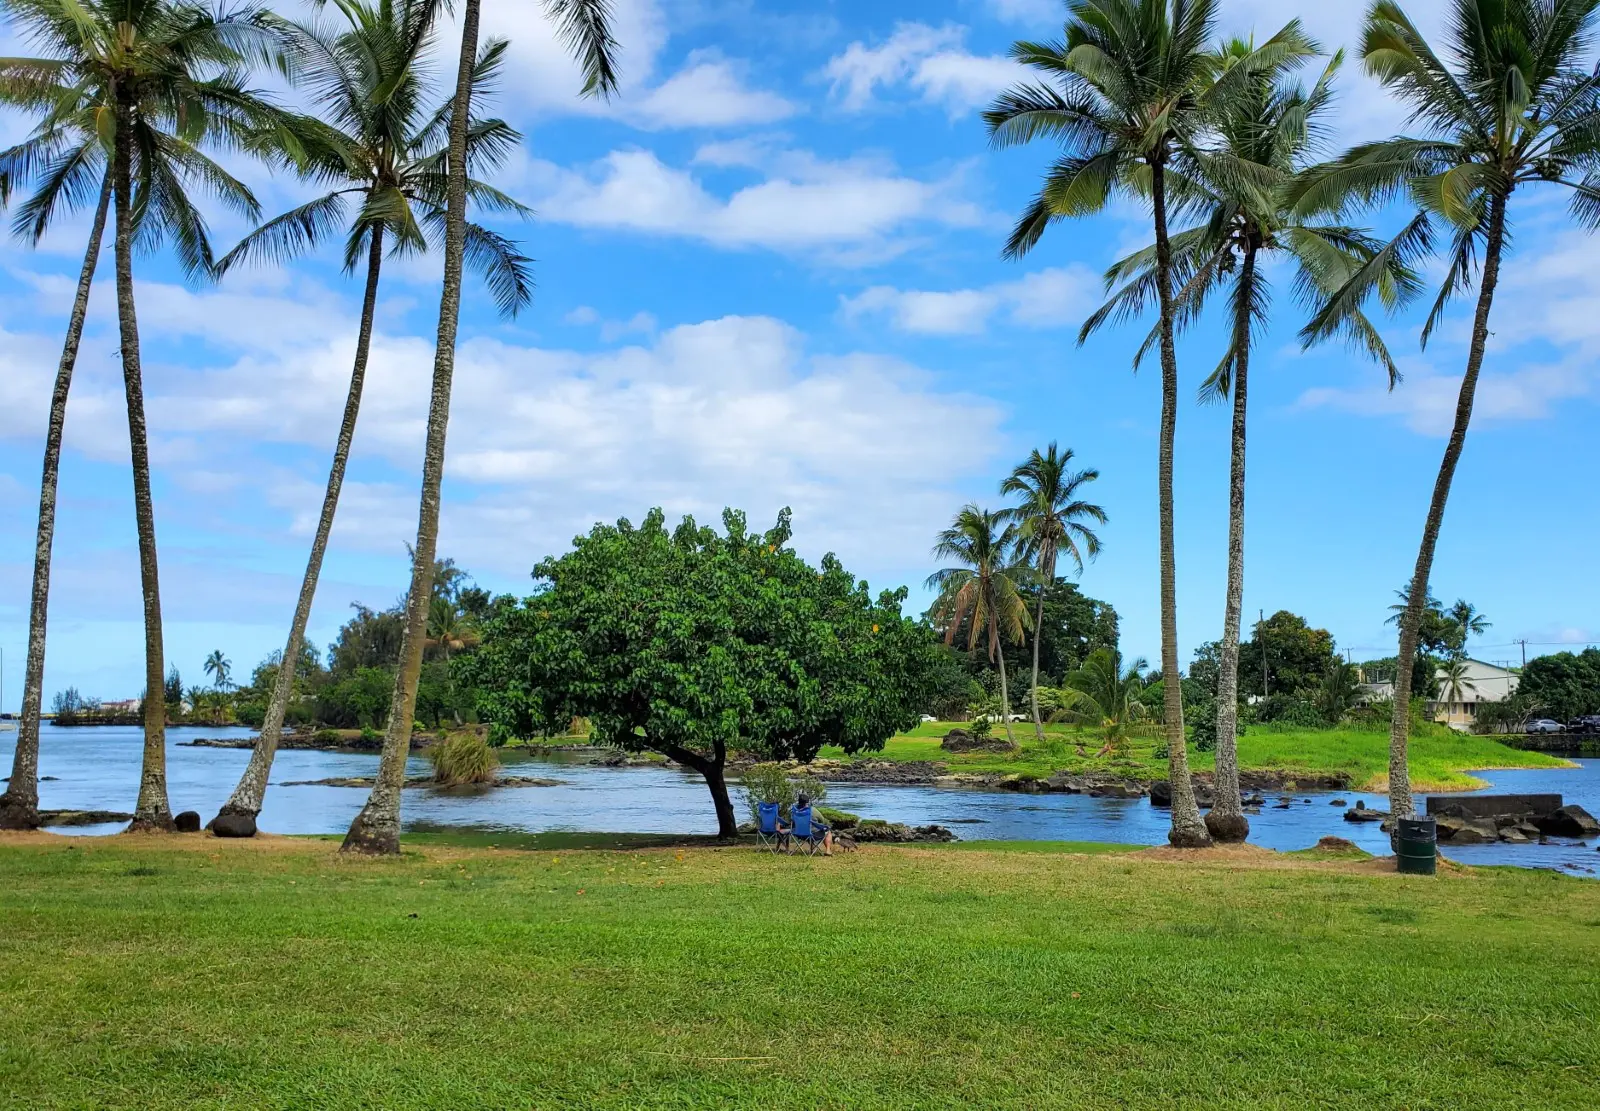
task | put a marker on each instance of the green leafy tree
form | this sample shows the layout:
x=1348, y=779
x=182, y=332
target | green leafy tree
x=982, y=590
x=1297, y=656
x=127, y=93
x=1511, y=103
x=695, y=644
x=379, y=141
x=584, y=26
x=1050, y=516
x=1132, y=84
x=1564, y=685
x=1235, y=187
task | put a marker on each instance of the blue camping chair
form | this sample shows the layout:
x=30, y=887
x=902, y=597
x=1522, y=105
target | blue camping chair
x=767, y=835
x=804, y=830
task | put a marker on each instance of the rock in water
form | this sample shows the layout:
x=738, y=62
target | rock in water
x=233, y=825
x=186, y=822
x=1571, y=820
x=1362, y=814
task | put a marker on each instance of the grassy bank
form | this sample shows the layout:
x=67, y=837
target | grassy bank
x=1441, y=760
x=182, y=973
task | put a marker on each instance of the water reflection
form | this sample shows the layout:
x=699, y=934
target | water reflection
x=98, y=769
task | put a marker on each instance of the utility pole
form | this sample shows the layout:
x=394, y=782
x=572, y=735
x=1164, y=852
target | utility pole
x=1524, y=643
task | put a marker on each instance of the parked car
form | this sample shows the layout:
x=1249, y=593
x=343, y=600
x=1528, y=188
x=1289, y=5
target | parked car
x=1544, y=725
x=1589, y=724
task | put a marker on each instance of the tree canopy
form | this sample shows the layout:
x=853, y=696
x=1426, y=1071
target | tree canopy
x=1564, y=685
x=695, y=643
x=1298, y=656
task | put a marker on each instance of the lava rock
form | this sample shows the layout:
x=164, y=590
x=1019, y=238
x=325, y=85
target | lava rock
x=186, y=822
x=959, y=740
x=1338, y=802
x=1511, y=835
x=1360, y=813
x=899, y=833
x=1571, y=820
x=233, y=825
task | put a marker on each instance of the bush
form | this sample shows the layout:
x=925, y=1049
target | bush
x=772, y=783
x=370, y=735
x=326, y=737
x=250, y=713
x=1286, y=709
x=464, y=758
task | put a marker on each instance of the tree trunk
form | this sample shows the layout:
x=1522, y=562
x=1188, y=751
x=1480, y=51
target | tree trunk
x=1038, y=631
x=19, y=806
x=377, y=828
x=1188, y=831
x=1005, y=697
x=1400, y=804
x=713, y=768
x=1226, y=820
x=151, y=811
x=248, y=795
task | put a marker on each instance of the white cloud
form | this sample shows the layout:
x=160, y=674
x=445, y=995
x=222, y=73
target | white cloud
x=707, y=92
x=542, y=78
x=1050, y=298
x=543, y=442
x=1426, y=400
x=848, y=209
x=929, y=60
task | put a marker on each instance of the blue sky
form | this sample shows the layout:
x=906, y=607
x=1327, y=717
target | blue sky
x=769, y=275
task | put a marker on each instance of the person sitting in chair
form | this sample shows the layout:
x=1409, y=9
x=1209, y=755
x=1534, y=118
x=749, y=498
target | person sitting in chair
x=820, y=830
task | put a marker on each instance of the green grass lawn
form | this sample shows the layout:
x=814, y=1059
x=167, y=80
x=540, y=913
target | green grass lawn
x=1440, y=758
x=150, y=972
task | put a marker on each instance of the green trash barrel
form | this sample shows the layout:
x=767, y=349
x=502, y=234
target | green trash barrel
x=1416, y=846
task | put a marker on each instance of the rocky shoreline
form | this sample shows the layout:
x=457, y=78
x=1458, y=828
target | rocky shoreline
x=423, y=781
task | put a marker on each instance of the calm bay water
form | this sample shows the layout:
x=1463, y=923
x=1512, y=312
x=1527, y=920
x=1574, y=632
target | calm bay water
x=98, y=769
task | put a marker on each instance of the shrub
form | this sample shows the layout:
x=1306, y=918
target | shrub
x=772, y=783
x=1286, y=709
x=370, y=735
x=326, y=736
x=838, y=819
x=464, y=758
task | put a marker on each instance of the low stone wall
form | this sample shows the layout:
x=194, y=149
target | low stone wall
x=1492, y=806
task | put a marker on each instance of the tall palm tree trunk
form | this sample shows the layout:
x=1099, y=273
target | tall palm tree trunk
x=248, y=795
x=1188, y=831
x=1038, y=625
x=151, y=811
x=1400, y=803
x=19, y=806
x=1005, y=697
x=1226, y=821
x=377, y=828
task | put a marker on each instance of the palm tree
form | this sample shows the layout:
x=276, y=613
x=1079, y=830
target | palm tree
x=1466, y=617
x=128, y=91
x=1049, y=521
x=1236, y=187
x=1129, y=87
x=1453, y=681
x=1515, y=104
x=983, y=589
x=1104, y=696
x=220, y=670
x=379, y=143
x=584, y=25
